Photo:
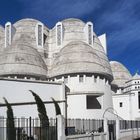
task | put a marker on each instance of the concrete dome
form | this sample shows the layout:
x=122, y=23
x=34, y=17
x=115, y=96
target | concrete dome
x=22, y=59
x=27, y=27
x=120, y=73
x=79, y=57
x=74, y=30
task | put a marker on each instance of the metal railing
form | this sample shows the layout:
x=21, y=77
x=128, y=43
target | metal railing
x=129, y=124
x=29, y=129
x=83, y=126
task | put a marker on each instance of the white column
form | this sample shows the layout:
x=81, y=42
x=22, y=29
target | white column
x=2, y=128
x=117, y=129
x=61, y=128
x=98, y=79
x=84, y=78
x=106, y=128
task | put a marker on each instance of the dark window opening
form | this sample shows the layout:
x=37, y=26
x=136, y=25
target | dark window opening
x=95, y=79
x=65, y=80
x=139, y=99
x=44, y=38
x=121, y=104
x=81, y=79
x=92, y=102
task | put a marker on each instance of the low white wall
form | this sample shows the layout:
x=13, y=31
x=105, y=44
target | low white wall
x=17, y=91
x=97, y=136
x=131, y=133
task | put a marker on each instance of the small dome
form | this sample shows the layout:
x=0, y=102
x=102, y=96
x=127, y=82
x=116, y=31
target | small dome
x=136, y=76
x=22, y=59
x=120, y=73
x=73, y=21
x=79, y=57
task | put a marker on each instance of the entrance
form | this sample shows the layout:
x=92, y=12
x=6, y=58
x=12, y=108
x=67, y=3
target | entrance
x=112, y=129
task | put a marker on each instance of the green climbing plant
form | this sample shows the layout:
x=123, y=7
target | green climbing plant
x=11, y=131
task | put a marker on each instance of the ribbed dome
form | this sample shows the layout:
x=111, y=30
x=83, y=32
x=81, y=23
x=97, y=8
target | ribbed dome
x=27, y=27
x=79, y=57
x=22, y=59
x=120, y=73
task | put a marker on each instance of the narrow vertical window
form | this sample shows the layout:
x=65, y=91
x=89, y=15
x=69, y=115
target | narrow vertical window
x=121, y=104
x=39, y=35
x=59, y=33
x=81, y=79
x=89, y=33
x=65, y=80
x=7, y=34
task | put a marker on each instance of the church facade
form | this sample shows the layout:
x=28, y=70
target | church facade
x=70, y=53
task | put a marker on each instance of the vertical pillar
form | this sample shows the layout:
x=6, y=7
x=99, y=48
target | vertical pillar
x=2, y=128
x=84, y=78
x=117, y=129
x=61, y=128
x=98, y=79
x=106, y=128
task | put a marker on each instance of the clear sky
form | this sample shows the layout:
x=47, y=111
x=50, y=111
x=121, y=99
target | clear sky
x=119, y=19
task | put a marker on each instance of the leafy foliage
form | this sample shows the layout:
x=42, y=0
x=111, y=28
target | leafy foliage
x=11, y=131
x=57, y=108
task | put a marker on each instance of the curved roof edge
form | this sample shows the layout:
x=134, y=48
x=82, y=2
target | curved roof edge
x=72, y=19
x=29, y=19
x=120, y=74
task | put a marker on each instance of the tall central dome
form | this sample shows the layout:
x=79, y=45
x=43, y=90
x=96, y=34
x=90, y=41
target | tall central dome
x=79, y=57
x=80, y=51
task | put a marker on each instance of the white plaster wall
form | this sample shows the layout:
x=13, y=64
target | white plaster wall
x=130, y=109
x=98, y=136
x=130, y=134
x=135, y=106
x=123, y=112
x=77, y=97
x=18, y=91
x=102, y=39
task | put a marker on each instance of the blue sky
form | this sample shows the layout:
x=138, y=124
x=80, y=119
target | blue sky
x=119, y=19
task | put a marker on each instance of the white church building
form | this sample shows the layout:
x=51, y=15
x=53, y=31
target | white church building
x=68, y=62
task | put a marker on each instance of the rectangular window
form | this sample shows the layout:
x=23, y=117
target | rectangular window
x=65, y=80
x=139, y=100
x=59, y=35
x=40, y=35
x=7, y=35
x=81, y=79
x=95, y=79
x=90, y=34
x=121, y=104
x=92, y=102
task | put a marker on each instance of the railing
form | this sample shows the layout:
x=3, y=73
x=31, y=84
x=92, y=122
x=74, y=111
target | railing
x=29, y=129
x=129, y=124
x=83, y=126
